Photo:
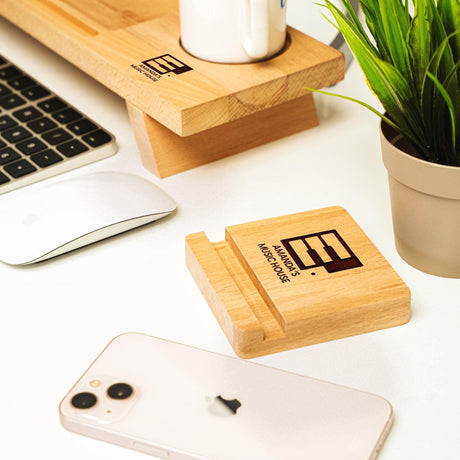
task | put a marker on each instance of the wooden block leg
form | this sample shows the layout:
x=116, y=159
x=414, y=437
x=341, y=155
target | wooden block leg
x=165, y=153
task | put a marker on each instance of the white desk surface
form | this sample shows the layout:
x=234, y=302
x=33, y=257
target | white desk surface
x=58, y=315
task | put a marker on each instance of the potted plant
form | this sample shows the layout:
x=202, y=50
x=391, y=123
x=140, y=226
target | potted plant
x=410, y=56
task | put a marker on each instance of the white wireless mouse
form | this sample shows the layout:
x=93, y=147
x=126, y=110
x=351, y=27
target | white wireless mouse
x=45, y=222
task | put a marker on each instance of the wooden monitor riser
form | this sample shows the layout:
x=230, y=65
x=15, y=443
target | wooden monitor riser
x=185, y=112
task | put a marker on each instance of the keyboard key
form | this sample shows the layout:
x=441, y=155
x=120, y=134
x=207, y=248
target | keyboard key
x=10, y=72
x=66, y=116
x=31, y=146
x=41, y=125
x=6, y=122
x=19, y=168
x=8, y=155
x=81, y=127
x=56, y=136
x=52, y=105
x=17, y=134
x=3, y=179
x=46, y=158
x=4, y=90
x=35, y=92
x=97, y=138
x=72, y=148
x=27, y=114
x=21, y=83
x=40, y=130
x=11, y=101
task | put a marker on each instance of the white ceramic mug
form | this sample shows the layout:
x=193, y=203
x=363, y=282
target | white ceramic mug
x=233, y=31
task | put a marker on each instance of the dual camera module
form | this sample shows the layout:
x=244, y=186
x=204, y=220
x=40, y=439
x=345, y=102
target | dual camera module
x=86, y=400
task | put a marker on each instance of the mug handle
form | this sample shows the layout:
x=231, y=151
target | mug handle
x=257, y=45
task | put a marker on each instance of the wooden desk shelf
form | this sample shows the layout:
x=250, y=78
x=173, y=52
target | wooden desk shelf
x=185, y=111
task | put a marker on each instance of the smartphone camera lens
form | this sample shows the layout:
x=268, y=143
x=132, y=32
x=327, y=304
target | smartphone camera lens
x=120, y=391
x=84, y=400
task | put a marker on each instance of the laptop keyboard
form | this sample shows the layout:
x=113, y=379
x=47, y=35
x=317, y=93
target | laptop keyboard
x=41, y=135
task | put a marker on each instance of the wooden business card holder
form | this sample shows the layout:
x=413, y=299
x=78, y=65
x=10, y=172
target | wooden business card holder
x=185, y=112
x=296, y=280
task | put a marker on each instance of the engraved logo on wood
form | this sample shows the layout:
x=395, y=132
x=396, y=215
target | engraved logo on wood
x=167, y=64
x=162, y=66
x=323, y=249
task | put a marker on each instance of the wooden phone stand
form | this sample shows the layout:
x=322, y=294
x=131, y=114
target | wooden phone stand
x=296, y=280
x=185, y=111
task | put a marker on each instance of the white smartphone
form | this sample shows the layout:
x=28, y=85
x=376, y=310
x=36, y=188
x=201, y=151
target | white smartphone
x=178, y=402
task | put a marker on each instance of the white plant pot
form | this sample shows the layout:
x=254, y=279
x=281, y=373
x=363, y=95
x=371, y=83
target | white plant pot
x=425, y=204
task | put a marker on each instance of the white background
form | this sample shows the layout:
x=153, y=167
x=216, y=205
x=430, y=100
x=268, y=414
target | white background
x=56, y=317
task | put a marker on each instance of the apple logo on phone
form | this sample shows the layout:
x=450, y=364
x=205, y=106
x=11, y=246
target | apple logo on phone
x=223, y=407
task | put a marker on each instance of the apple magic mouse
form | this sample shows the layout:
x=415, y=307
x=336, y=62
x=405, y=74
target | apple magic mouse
x=45, y=222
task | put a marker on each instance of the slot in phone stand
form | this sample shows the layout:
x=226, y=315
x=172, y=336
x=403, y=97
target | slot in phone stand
x=185, y=112
x=296, y=280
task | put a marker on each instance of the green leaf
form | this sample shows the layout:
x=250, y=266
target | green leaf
x=433, y=106
x=420, y=43
x=449, y=104
x=386, y=82
x=396, y=26
x=449, y=11
x=374, y=22
x=357, y=101
x=353, y=22
x=411, y=63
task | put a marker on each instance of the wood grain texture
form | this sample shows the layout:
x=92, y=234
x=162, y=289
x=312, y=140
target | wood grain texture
x=226, y=300
x=111, y=40
x=345, y=287
x=164, y=153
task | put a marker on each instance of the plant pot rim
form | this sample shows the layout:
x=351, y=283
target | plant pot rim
x=424, y=176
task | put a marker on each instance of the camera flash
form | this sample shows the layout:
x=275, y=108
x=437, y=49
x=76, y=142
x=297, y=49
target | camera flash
x=94, y=383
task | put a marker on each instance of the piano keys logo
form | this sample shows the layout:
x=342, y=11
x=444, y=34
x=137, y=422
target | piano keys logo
x=324, y=249
x=161, y=66
x=167, y=64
